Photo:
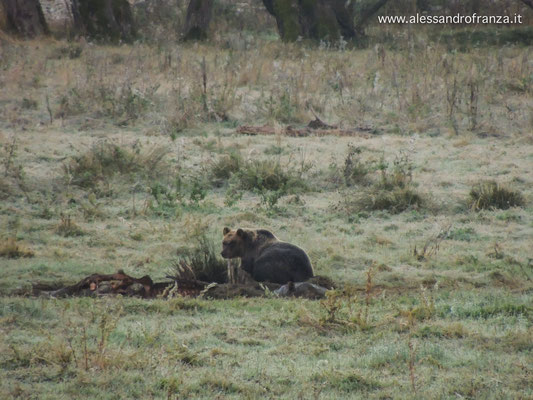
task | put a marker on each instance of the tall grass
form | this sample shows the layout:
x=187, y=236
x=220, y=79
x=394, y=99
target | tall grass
x=492, y=195
x=106, y=159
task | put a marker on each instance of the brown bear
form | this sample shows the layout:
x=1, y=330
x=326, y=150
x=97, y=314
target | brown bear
x=265, y=257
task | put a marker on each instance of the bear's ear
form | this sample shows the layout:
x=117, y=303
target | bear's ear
x=225, y=231
x=240, y=232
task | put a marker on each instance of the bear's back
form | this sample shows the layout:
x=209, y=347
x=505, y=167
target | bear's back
x=281, y=262
x=265, y=234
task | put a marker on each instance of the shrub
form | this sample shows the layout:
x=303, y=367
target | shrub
x=269, y=179
x=393, y=191
x=201, y=261
x=117, y=101
x=355, y=170
x=343, y=308
x=105, y=159
x=167, y=199
x=170, y=198
x=72, y=51
x=491, y=195
x=68, y=228
x=233, y=195
x=29, y=104
x=10, y=248
x=395, y=201
x=283, y=107
x=254, y=174
x=269, y=175
x=228, y=164
x=274, y=150
x=400, y=175
x=270, y=198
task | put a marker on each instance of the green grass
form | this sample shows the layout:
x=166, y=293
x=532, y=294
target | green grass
x=200, y=348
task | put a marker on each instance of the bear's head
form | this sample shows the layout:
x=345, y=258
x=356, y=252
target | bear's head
x=234, y=243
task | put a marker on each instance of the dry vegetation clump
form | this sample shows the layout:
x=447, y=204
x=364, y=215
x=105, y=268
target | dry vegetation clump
x=356, y=170
x=170, y=199
x=269, y=178
x=11, y=248
x=5, y=188
x=70, y=51
x=491, y=195
x=105, y=159
x=120, y=102
x=343, y=308
x=201, y=261
x=225, y=166
x=13, y=175
x=398, y=88
x=269, y=174
x=392, y=188
x=395, y=200
x=68, y=228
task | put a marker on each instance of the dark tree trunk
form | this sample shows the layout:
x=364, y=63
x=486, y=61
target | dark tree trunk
x=197, y=20
x=528, y=3
x=25, y=17
x=321, y=19
x=366, y=10
x=104, y=19
x=99, y=19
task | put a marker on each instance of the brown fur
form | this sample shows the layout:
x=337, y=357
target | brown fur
x=265, y=257
x=246, y=243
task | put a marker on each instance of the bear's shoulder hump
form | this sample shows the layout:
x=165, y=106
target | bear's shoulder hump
x=265, y=233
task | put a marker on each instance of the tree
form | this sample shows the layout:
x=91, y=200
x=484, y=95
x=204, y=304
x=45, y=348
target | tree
x=528, y=3
x=197, y=21
x=25, y=17
x=100, y=19
x=104, y=19
x=322, y=19
x=309, y=19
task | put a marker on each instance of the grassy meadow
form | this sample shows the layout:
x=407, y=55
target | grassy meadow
x=122, y=157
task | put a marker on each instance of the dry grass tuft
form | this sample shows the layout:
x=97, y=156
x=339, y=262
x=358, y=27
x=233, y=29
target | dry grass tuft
x=201, y=261
x=68, y=228
x=392, y=190
x=491, y=195
x=10, y=248
x=395, y=201
x=106, y=159
x=253, y=174
x=226, y=165
x=269, y=175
